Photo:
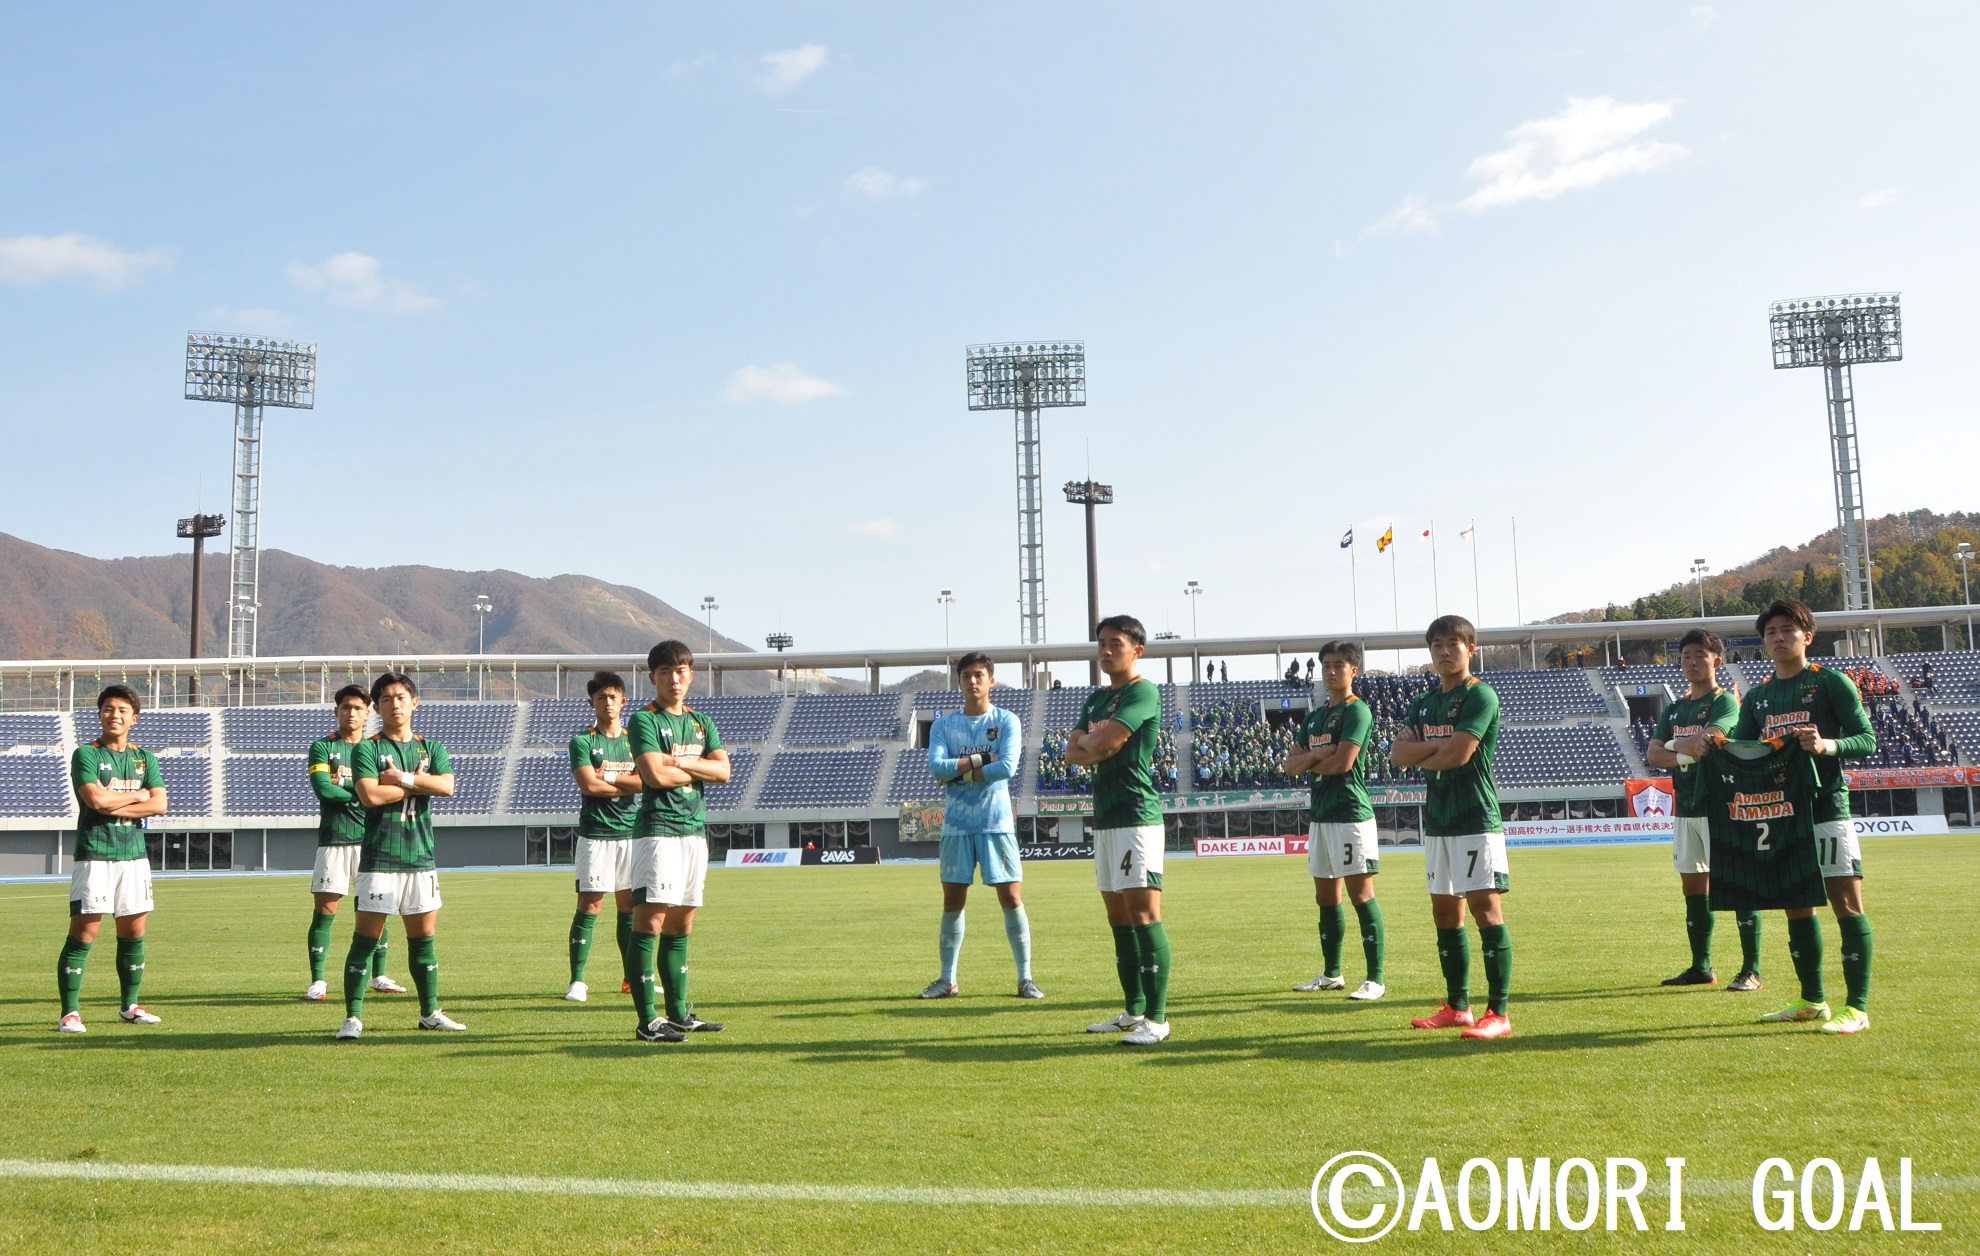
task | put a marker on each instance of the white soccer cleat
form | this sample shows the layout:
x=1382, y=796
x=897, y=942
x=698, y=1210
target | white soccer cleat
x=1368, y=991
x=135, y=1015
x=440, y=1020
x=1324, y=982
x=71, y=1024
x=1125, y=1023
x=385, y=985
x=1147, y=1035
x=351, y=1029
x=578, y=992
x=317, y=992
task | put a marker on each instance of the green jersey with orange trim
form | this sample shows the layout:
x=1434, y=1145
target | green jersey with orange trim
x=611, y=757
x=332, y=775
x=1687, y=717
x=1460, y=801
x=1762, y=800
x=126, y=771
x=679, y=809
x=1343, y=797
x=1826, y=698
x=398, y=837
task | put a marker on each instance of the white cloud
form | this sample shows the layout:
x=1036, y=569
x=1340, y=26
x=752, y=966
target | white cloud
x=359, y=280
x=874, y=528
x=1589, y=142
x=680, y=69
x=29, y=260
x=1414, y=216
x=1704, y=15
x=1878, y=199
x=875, y=184
x=251, y=320
x=785, y=69
x=783, y=383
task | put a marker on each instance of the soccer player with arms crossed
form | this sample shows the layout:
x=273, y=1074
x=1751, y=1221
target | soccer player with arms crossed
x=678, y=753
x=602, y=765
x=974, y=753
x=1116, y=738
x=117, y=785
x=339, y=839
x=1682, y=738
x=1341, y=843
x=1820, y=708
x=1450, y=734
x=399, y=774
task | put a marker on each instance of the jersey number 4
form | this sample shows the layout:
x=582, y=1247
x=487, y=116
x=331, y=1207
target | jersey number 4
x=1127, y=863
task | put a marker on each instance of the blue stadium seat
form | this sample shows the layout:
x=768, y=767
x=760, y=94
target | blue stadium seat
x=269, y=785
x=34, y=784
x=835, y=719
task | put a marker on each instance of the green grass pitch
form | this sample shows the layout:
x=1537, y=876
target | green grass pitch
x=829, y=1074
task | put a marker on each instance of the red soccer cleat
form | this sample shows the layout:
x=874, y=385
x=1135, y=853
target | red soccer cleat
x=1444, y=1017
x=625, y=987
x=1493, y=1026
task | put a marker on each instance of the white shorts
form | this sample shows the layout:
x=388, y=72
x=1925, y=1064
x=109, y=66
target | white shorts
x=1460, y=865
x=399, y=893
x=112, y=887
x=1838, y=849
x=604, y=864
x=1691, y=844
x=336, y=869
x=1342, y=849
x=1128, y=859
x=671, y=870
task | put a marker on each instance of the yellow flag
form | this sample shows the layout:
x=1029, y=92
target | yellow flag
x=1386, y=539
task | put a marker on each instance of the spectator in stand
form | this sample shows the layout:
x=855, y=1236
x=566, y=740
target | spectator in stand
x=1227, y=672
x=1209, y=673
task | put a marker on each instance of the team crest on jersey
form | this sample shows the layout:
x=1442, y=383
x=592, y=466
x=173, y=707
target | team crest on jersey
x=991, y=732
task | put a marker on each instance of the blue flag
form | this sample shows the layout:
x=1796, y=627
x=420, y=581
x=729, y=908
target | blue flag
x=1347, y=538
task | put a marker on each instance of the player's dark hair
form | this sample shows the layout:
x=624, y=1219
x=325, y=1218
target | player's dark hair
x=604, y=680
x=352, y=691
x=125, y=692
x=1797, y=614
x=1127, y=625
x=386, y=681
x=1348, y=652
x=669, y=654
x=1451, y=626
x=1706, y=637
x=975, y=658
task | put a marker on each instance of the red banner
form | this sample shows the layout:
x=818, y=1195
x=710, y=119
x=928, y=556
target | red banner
x=1655, y=797
x=1910, y=778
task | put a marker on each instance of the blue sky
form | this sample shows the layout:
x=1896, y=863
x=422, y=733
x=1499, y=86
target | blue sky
x=677, y=296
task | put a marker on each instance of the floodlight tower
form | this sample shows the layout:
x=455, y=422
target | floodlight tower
x=198, y=529
x=1027, y=378
x=1088, y=494
x=1834, y=333
x=252, y=372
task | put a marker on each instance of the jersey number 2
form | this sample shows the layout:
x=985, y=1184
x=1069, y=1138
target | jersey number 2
x=1761, y=842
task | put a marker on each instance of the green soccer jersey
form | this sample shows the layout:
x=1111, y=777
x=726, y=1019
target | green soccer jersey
x=1827, y=699
x=398, y=837
x=1124, y=793
x=126, y=771
x=339, y=815
x=1461, y=801
x=1762, y=798
x=689, y=735
x=605, y=818
x=1686, y=717
x=1340, y=799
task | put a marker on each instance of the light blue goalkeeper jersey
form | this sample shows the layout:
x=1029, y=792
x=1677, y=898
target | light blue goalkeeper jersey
x=978, y=806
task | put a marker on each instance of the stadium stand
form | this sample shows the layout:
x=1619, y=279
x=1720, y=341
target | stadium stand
x=466, y=728
x=269, y=785
x=912, y=782
x=1962, y=726
x=477, y=781
x=30, y=728
x=188, y=783
x=1543, y=696
x=544, y=786
x=155, y=730
x=835, y=719
x=554, y=721
x=1668, y=674
x=1558, y=756
x=936, y=701
x=749, y=717
x=34, y=784
x=820, y=778
x=275, y=730
x=729, y=795
x=1233, y=748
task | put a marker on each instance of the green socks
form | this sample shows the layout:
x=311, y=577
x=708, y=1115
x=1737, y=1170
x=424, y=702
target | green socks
x=319, y=943
x=673, y=974
x=69, y=968
x=1454, y=955
x=625, y=937
x=1855, y=932
x=639, y=971
x=1151, y=944
x=582, y=923
x=1749, y=941
x=1698, y=927
x=1495, y=947
x=1333, y=928
x=425, y=965
x=130, y=969
x=357, y=973
x=1369, y=915
x=1127, y=964
x=1805, y=947
x=378, y=957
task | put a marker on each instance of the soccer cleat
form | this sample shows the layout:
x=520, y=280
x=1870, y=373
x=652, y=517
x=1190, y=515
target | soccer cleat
x=1745, y=981
x=71, y=1024
x=1125, y=1023
x=625, y=987
x=578, y=992
x=135, y=1015
x=385, y=985
x=940, y=989
x=1800, y=1010
x=1324, y=982
x=1146, y=1034
x=351, y=1029
x=1492, y=1026
x=1028, y=989
x=694, y=1024
x=1693, y=977
x=440, y=1020
x=659, y=1031
x=1445, y=1017
x=1368, y=991
x=1852, y=1021
x=317, y=992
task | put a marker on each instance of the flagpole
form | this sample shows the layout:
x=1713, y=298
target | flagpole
x=1395, y=603
x=1519, y=609
x=1436, y=591
x=1477, y=602
x=1354, y=583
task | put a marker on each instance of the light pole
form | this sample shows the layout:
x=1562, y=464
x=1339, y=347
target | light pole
x=482, y=606
x=1088, y=494
x=1698, y=570
x=708, y=608
x=198, y=528
x=946, y=598
x=1964, y=555
x=1193, y=591
x=1170, y=661
x=779, y=641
